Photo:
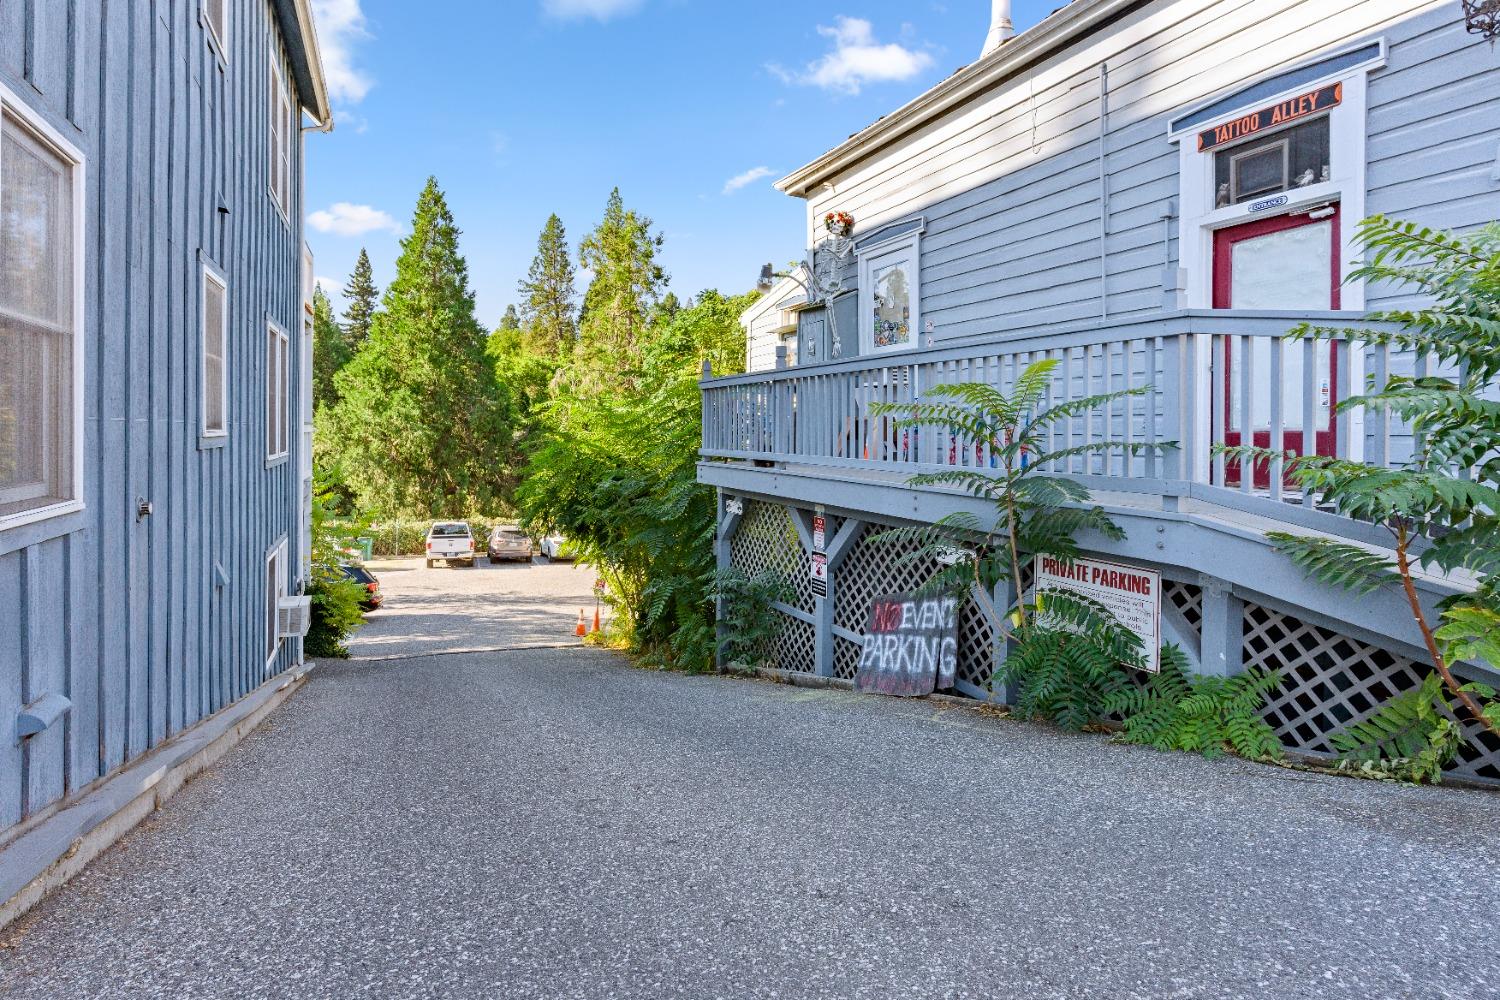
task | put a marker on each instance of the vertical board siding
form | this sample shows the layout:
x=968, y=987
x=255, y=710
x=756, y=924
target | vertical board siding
x=1009, y=183
x=124, y=616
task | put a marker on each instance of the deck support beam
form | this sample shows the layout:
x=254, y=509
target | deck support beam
x=731, y=512
x=1222, y=650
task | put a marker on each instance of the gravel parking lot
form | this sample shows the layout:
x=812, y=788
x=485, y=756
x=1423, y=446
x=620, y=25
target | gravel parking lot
x=448, y=609
x=555, y=823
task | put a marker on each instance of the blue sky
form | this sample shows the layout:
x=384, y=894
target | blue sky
x=521, y=108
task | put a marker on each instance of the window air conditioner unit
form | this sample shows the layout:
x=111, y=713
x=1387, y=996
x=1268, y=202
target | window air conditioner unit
x=293, y=617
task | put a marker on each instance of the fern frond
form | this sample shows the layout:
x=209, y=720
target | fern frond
x=1337, y=564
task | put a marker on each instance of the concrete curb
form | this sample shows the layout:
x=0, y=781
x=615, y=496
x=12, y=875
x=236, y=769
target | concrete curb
x=46, y=856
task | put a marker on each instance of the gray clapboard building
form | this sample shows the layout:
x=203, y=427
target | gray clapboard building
x=154, y=470
x=1149, y=192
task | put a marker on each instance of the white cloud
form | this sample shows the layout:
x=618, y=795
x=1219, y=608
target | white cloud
x=348, y=121
x=599, y=10
x=344, y=219
x=342, y=26
x=857, y=59
x=331, y=288
x=749, y=177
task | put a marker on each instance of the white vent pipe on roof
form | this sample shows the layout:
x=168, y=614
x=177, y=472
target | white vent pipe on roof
x=1001, y=27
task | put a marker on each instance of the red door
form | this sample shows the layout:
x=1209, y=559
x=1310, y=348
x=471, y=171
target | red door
x=1285, y=262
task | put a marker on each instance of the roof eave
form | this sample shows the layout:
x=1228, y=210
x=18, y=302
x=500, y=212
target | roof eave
x=1059, y=28
x=301, y=34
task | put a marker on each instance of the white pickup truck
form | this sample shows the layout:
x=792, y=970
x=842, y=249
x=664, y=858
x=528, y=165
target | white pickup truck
x=450, y=541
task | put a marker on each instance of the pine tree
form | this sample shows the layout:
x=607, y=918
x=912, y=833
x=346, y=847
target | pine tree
x=331, y=351
x=421, y=415
x=362, y=295
x=547, y=294
x=627, y=282
x=511, y=320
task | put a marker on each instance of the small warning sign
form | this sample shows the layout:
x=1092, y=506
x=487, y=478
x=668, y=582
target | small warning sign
x=819, y=566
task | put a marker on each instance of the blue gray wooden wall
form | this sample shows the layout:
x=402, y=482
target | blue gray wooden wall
x=124, y=615
x=1020, y=254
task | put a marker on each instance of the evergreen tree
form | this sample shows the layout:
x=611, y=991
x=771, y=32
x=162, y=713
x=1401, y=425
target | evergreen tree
x=331, y=351
x=511, y=320
x=421, y=417
x=627, y=282
x=362, y=296
x=548, y=292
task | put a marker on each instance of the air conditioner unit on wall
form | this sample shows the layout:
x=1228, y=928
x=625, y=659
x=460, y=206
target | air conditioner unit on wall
x=293, y=617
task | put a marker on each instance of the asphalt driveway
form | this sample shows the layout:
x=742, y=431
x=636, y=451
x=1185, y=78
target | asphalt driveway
x=554, y=823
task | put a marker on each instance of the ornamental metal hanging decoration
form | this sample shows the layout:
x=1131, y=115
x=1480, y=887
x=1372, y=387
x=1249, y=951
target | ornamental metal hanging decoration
x=1483, y=17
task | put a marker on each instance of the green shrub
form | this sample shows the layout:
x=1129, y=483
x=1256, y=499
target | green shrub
x=1411, y=738
x=1196, y=714
x=1441, y=505
x=335, y=598
x=750, y=622
x=1070, y=659
x=335, y=615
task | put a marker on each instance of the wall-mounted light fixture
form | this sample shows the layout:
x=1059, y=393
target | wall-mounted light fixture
x=1483, y=17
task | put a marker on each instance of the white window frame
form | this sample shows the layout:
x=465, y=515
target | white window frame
x=218, y=38
x=278, y=380
x=907, y=244
x=53, y=139
x=275, y=578
x=210, y=273
x=1347, y=136
x=1200, y=217
x=309, y=281
x=281, y=156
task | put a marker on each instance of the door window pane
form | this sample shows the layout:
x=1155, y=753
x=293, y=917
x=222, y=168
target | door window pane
x=1292, y=269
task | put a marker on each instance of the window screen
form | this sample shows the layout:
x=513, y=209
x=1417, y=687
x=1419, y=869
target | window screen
x=36, y=322
x=214, y=15
x=276, y=393
x=1289, y=159
x=281, y=140
x=274, y=591
x=215, y=324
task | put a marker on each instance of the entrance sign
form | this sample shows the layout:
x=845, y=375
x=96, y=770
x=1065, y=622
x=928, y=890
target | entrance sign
x=1132, y=595
x=910, y=646
x=818, y=566
x=1278, y=114
x=820, y=531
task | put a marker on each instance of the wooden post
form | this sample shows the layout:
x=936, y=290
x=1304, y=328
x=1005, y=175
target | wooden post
x=729, y=524
x=837, y=549
x=1223, y=629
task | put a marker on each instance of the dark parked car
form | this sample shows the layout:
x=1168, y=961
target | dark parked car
x=367, y=580
x=510, y=543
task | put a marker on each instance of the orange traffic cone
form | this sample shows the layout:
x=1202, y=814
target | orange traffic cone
x=596, y=618
x=583, y=626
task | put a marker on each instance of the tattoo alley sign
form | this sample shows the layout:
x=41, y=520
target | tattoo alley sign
x=1301, y=106
x=910, y=646
x=1132, y=595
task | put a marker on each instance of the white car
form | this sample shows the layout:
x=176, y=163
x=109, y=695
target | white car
x=557, y=547
x=450, y=541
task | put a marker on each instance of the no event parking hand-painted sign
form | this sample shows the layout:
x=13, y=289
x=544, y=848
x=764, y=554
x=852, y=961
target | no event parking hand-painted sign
x=910, y=646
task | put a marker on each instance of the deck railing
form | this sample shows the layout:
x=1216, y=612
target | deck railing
x=1215, y=378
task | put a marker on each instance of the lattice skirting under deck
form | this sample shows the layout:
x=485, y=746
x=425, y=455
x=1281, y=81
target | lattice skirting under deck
x=1329, y=680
